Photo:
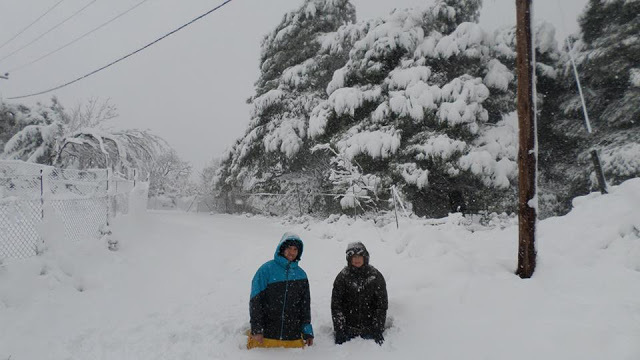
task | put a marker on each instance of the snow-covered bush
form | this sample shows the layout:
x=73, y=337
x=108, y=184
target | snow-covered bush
x=79, y=139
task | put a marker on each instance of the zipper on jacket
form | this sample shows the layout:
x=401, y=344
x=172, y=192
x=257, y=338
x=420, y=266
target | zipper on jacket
x=284, y=303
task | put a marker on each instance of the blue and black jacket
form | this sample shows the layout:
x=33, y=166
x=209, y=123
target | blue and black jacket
x=280, y=303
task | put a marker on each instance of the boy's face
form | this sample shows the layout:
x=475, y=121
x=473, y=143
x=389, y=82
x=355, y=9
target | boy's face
x=357, y=260
x=291, y=252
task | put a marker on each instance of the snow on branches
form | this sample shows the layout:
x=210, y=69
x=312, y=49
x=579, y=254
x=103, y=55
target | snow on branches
x=50, y=135
x=375, y=144
x=494, y=157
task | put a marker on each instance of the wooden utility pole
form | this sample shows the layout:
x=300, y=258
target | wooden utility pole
x=527, y=156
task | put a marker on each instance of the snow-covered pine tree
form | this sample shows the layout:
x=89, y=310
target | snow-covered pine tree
x=409, y=108
x=551, y=146
x=13, y=118
x=609, y=65
x=295, y=69
x=607, y=54
x=40, y=130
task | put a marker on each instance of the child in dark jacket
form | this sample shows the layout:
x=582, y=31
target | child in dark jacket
x=359, y=299
x=279, y=305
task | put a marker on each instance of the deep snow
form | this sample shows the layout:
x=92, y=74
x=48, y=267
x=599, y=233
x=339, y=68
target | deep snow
x=178, y=287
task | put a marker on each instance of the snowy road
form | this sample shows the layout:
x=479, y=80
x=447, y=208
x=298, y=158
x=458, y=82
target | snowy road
x=178, y=289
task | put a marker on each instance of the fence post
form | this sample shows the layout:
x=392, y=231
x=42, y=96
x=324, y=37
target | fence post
x=41, y=197
x=134, y=178
x=108, y=198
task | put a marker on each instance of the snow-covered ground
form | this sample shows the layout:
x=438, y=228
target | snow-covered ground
x=178, y=288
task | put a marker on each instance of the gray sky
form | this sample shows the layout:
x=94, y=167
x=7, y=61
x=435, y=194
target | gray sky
x=191, y=87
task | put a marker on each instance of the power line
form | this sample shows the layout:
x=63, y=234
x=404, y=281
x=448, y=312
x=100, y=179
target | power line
x=126, y=56
x=28, y=26
x=76, y=39
x=51, y=29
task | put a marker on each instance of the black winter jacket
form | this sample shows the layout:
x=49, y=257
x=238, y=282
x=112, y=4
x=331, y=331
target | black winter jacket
x=359, y=303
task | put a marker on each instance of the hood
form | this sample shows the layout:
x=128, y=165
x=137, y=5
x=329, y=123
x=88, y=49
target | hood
x=357, y=248
x=289, y=236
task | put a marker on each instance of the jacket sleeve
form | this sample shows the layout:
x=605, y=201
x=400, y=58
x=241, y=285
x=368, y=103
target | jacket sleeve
x=305, y=303
x=381, y=303
x=256, y=303
x=337, y=312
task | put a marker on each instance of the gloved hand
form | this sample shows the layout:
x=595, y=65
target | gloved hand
x=378, y=338
x=341, y=337
x=258, y=338
x=309, y=341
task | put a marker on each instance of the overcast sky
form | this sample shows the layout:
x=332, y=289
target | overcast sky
x=191, y=88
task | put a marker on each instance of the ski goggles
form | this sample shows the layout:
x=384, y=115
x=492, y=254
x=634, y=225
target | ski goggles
x=355, y=251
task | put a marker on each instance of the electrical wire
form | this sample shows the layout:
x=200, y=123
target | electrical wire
x=77, y=39
x=28, y=26
x=50, y=30
x=126, y=56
